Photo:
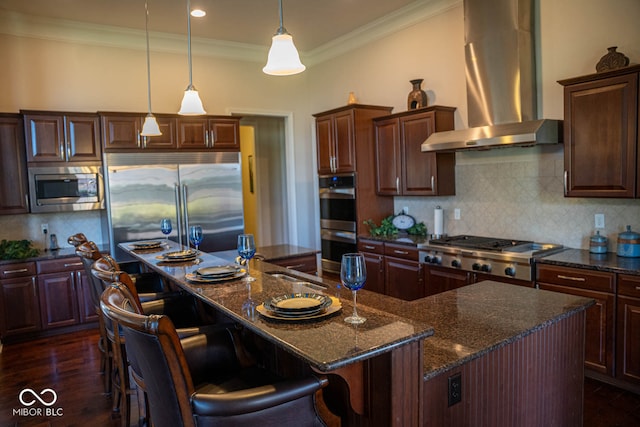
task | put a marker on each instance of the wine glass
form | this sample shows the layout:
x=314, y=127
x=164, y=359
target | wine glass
x=353, y=274
x=246, y=250
x=195, y=235
x=165, y=227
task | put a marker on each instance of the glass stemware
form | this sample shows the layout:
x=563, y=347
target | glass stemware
x=353, y=274
x=246, y=250
x=195, y=235
x=165, y=227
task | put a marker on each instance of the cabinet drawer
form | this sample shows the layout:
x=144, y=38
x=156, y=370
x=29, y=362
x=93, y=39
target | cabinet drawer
x=577, y=278
x=57, y=265
x=19, y=269
x=371, y=246
x=401, y=251
x=305, y=264
x=629, y=285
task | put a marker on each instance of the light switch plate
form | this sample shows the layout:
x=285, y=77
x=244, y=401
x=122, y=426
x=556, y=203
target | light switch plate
x=456, y=213
x=599, y=220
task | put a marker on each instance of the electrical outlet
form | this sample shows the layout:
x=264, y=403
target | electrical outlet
x=456, y=213
x=455, y=389
x=599, y=219
x=405, y=210
x=44, y=228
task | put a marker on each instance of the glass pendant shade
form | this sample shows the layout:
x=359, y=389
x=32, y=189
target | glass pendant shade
x=150, y=126
x=283, y=59
x=191, y=103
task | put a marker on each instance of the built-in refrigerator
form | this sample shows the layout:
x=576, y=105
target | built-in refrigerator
x=189, y=188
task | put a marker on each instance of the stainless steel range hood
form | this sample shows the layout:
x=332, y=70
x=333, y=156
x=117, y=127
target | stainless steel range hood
x=501, y=81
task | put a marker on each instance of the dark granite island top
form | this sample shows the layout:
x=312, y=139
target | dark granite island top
x=580, y=258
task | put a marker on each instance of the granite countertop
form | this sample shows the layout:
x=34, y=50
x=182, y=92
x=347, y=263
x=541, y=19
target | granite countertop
x=466, y=323
x=278, y=252
x=68, y=252
x=400, y=238
x=580, y=258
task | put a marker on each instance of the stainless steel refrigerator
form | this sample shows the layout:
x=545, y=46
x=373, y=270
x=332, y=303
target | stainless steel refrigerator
x=189, y=188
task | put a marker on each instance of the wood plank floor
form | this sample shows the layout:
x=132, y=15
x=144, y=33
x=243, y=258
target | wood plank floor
x=68, y=364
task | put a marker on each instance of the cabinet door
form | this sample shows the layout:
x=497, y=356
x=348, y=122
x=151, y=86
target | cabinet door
x=168, y=139
x=601, y=137
x=388, y=157
x=628, y=338
x=121, y=132
x=224, y=135
x=20, y=309
x=440, y=279
x=58, y=300
x=375, y=272
x=345, y=147
x=87, y=310
x=324, y=141
x=13, y=167
x=403, y=278
x=305, y=263
x=419, y=170
x=44, y=135
x=598, y=353
x=193, y=133
x=82, y=138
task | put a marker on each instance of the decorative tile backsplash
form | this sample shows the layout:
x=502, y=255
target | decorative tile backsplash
x=518, y=193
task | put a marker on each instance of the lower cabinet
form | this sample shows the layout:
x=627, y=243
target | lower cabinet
x=600, y=328
x=442, y=279
x=628, y=329
x=304, y=263
x=19, y=305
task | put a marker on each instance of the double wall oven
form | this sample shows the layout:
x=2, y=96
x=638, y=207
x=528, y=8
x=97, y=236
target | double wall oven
x=337, y=218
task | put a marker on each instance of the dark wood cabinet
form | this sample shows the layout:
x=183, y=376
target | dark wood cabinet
x=19, y=304
x=210, y=132
x=87, y=310
x=601, y=134
x=304, y=263
x=336, y=144
x=403, y=278
x=401, y=167
x=62, y=137
x=441, y=279
x=628, y=329
x=600, y=327
x=373, y=252
x=13, y=167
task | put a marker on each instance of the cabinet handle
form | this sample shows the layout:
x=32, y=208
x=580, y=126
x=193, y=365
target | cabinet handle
x=397, y=185
x=575, y=279
x=21, y=270
x=138, y=144
x=68, y=151
x=368, y=247
x=213, y=139
x=565, y=182
x=637, y=288
x=73, y=264
x=433, y=182
x=144, y=141
x=397, y=251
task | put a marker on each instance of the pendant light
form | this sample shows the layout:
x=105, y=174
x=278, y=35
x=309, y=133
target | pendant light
x=191, y=104
x=283, y=59
x=150, y=126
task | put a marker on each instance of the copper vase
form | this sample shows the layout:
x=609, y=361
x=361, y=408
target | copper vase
x=417, y=97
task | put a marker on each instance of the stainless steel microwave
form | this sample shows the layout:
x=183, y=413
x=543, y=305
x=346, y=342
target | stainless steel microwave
x=68, y=188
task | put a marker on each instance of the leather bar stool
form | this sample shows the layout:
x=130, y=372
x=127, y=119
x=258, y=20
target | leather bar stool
x=200, y=380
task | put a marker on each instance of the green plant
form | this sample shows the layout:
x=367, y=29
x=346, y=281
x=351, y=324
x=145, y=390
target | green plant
x=17, y=249
x=386, y=227
x=419, y=229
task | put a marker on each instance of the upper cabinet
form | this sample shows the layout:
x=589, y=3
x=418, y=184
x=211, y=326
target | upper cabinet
x=339, y=131
x=401, y=167
x=62, y=137
x=13, y=166
x=121, y=132
x=601, y=134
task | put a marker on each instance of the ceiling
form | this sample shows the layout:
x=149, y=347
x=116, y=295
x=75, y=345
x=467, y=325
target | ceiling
x=312, y=23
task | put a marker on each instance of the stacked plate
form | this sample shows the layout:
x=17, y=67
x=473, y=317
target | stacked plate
x=179, y=256
x=299, y=306
x=149, y=244
x=217, y=273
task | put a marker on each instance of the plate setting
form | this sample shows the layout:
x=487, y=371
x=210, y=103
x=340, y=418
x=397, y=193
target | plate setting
x=299, y=306
x=216, y=274
x=178, y=256
x=149, y=244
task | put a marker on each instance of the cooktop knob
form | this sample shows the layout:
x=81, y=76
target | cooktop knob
x=436, y=259
x=476, y=266
x=510, y=271
x=486, y=267
x=456, y=263
x=427, y=259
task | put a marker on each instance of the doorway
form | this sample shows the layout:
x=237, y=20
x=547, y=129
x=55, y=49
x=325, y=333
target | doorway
x=263, y=148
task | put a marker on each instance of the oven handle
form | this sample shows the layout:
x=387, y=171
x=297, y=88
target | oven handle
x=338, y=236
x=337, y=193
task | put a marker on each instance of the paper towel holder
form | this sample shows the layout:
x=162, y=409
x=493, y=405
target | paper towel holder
x=438, y=223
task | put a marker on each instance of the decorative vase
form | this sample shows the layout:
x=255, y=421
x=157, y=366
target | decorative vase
x=417, y=97
x=612, y=60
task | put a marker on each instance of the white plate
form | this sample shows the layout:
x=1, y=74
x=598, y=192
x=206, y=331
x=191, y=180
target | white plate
x=301, y=303
x=333, y=308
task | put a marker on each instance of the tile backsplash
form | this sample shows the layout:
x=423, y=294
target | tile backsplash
x=518, y=193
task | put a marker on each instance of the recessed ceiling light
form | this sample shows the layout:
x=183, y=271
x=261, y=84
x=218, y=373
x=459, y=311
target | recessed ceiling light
x=198, y=13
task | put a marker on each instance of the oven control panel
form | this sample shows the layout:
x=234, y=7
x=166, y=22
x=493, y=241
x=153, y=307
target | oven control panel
x=503, y=266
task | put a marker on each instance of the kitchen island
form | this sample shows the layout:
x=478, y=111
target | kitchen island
x=515, y=354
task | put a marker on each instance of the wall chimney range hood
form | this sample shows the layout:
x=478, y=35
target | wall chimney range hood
x=501, y=81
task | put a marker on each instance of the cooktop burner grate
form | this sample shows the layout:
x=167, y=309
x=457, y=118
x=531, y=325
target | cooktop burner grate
x=478, y=242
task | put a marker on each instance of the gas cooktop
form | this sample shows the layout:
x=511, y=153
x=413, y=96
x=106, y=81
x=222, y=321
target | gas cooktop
x=479, y=243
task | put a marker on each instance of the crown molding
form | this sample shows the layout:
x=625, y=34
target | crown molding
x=30, y=26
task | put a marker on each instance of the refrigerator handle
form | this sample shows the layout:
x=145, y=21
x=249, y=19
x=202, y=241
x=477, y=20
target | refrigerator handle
x=178, y=216
x=185, y=211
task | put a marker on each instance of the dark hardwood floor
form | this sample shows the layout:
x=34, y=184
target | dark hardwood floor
x=68, y=365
